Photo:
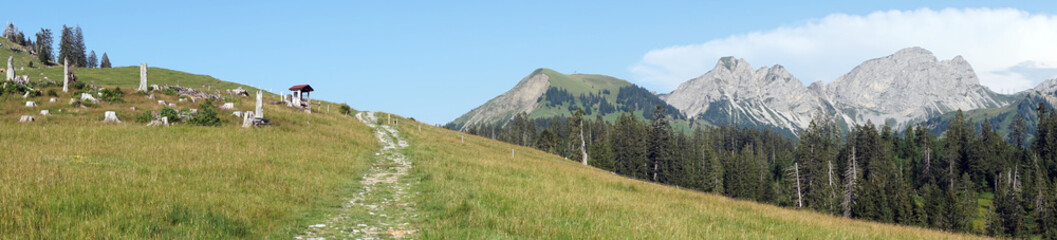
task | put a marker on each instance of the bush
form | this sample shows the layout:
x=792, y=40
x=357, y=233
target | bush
x=112, y=96
x=78, y=85
x=207, y=115
x=52, y=93
x=144, y=117
x=170, y=92
x=170, y=113
x=345, y=109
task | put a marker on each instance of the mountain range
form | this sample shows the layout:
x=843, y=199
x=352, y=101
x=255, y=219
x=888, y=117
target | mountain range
x=908, y=87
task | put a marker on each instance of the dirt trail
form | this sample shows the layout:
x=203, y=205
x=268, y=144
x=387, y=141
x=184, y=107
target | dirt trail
x=382, y=208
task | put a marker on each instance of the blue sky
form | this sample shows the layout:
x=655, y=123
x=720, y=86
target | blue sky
x=437, y=60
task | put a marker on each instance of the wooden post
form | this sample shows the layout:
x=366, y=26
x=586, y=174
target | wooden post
x=463, y=139
x=511, y=153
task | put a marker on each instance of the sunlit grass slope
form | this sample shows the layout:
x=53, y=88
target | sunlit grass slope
x=476, y=190
x=70, y=176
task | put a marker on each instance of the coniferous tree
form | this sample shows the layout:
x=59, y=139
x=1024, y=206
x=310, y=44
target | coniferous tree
x=660, y=151
x=67, y=46
x=92, y=60
x=816, y=154
x=104, y=62
x=79, y=47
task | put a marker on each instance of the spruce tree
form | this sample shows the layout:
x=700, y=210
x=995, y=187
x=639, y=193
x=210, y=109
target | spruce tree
x=92, y=60
x=105, y=62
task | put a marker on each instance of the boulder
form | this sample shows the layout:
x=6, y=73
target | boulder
x=237, y=113
x=26, y=119
x=45, y=112
x=31, y=104
x=51, y=100
x=227, y=106
x=161, y=102
x=111, y=117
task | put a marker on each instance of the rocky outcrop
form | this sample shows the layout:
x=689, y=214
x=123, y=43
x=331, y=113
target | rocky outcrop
x=522, y=98
x=768, y=95
x=909, y=86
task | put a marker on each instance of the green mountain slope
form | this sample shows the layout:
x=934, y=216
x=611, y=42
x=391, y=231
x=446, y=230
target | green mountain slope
x=1001, y=118
x=546, y=93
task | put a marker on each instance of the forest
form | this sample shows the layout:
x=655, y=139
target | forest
x=967, y=179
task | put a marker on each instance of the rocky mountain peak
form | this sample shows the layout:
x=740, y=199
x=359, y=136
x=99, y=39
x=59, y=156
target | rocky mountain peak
x=1047, y=87
x=910, y=84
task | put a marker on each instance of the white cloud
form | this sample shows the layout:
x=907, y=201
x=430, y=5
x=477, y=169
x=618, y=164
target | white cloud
x=1008, y=48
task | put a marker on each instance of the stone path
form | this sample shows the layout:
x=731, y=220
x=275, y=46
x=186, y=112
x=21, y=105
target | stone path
x=382, y=209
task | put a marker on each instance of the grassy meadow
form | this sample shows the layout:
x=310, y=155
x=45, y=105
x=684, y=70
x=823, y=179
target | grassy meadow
x=70, y=176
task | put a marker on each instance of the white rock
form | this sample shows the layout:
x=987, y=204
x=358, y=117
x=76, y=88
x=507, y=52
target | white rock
x=161, y=102
x=26, y=119
x=52, y=100
x=45, y=112
x=227, y=106
x=31, y=104
x=172, y=104
x=237, y=113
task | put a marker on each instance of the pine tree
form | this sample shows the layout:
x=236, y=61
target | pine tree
x=105, y=62
x=660, y=151
x=79, y=48
x=92, y=60
x=1018, y=132
x=67, y=45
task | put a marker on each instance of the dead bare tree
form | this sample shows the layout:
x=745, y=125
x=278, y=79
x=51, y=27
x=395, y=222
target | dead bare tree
x=849, y=188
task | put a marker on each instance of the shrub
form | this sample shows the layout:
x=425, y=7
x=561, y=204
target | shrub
x=144, y=117
x=169, y=113
x=52, y=93
x=112, y=96
x=78, y=85
x=170, y=92
x=207, y=115
x=345, y=109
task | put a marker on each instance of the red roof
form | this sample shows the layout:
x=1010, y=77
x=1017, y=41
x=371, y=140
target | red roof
x=302, y=87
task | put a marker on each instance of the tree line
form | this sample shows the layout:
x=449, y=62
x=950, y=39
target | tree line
x=71, y=47
x=912, y=177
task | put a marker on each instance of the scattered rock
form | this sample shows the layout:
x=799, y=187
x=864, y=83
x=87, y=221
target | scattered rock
x=111, y=117
x=238, y=91
x=26, y=119
x=51, y=100
x=31, y=104
x=45, y=112
x=237, y=113
x=172, y=104
x=161, y=102
x=227, y=106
